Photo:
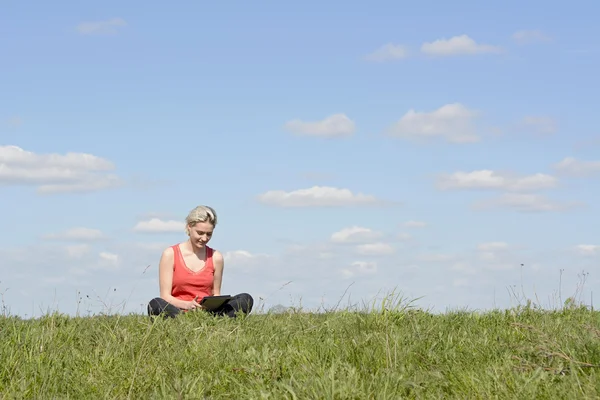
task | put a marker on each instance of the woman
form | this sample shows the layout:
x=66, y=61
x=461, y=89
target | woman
x=190, y=270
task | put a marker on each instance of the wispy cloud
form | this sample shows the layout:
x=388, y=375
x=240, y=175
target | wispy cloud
x=452, y=122
x=355, y=234
x=488, y=179
x=375, y=249
x=580, y=168
x=525, y=202
x=335, y=125
x=588, y=249
x=359, y=268
x=458, y=45
x=56, y=173
x=317, y=196
x=388, y=52
x=106, y=27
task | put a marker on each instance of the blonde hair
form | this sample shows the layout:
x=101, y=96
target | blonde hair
x=201, y=214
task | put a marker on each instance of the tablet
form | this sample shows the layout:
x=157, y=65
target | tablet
x=213, y=302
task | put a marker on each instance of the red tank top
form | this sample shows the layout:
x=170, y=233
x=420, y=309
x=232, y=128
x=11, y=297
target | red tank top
x=188, y=284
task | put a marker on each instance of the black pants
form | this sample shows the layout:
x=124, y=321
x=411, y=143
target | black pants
x=242, y=302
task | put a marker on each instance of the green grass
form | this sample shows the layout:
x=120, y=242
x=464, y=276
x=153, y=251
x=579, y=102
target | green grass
x=523, y=353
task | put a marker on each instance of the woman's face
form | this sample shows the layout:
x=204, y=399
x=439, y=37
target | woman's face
x=200, y=233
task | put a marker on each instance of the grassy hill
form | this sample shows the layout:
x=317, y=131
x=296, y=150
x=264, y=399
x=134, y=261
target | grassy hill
x=381, y=354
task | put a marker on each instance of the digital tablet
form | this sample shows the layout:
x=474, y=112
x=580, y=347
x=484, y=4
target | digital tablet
x=213, y=302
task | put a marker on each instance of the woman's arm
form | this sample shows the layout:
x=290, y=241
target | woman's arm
x=219, y=264
x=165, y=280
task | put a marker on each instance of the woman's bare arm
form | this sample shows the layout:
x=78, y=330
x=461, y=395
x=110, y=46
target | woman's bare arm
x=165, y=280
x=219, y=264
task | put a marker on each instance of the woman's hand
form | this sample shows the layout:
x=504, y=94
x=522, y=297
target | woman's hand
x=192, y=304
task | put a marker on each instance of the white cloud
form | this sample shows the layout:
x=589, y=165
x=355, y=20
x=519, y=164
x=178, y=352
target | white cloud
x=375, y=249
x=156, y=225
x=106, y=27
x=84, y=263
x=453, y=122
x=316, y=196
x=335, y=125
x=54, y=173
x=76, y=234
x=16, y=156
x=524, y=203
x=415, y=224
x=241, y=255
x=530, y=36
x=487, y=179
x=347, y=273
x=540, y=125
x=457, y=45
x=355, y=234
x=588, y=249
x=388, y=52
x=103, y=261
x=360, y=268
x=110, y=257
x=245, y=260
x=573, y=167
x=238, y=255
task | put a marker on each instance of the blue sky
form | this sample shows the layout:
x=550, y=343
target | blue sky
x=317, y=131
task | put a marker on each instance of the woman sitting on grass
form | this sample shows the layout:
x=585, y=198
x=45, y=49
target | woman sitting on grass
x=190, y=270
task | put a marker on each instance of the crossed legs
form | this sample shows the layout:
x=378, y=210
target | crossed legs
x=242, y=302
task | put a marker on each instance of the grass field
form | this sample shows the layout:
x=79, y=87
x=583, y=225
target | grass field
x=385, y=353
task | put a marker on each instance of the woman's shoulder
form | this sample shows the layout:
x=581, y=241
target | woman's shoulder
x=213, y=250
x=216, y=255
x=169, y=251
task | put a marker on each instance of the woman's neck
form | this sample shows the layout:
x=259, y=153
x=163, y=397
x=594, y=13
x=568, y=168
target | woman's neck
x=199, y=251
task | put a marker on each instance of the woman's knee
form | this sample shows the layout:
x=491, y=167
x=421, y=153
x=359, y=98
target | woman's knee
x=157, y=302
x=155, y=305
x=158, y=305
x=246, y=301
